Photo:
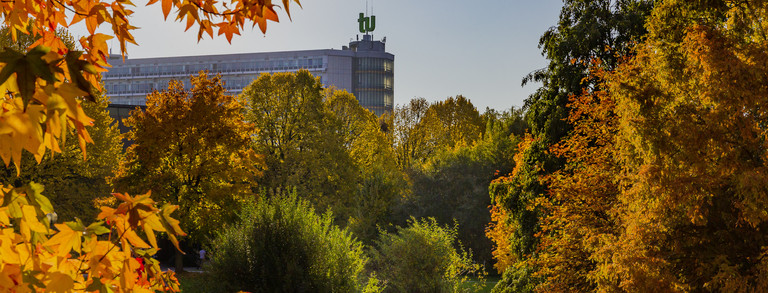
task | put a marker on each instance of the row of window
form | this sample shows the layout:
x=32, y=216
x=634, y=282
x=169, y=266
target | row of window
x=232, y=66
x=230, y=83
x=375, y=80
x=375, y=98
x=374, y=64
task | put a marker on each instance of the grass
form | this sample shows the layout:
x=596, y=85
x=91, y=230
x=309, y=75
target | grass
x=197, y=282
x=490, y=282
x=194, y=283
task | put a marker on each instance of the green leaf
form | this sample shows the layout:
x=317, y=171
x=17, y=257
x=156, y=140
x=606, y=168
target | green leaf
x=28, y=277
x=34, y=192
x=76, y=68
x=39, y=67
x=10, y=58
x=97, y=228
x=76, y=225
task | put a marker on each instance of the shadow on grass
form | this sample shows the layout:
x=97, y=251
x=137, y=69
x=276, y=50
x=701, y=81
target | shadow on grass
x=196, y=282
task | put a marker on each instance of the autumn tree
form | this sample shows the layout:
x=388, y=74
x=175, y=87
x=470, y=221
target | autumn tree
x=192, y=149
x=665, y=189
x=379, y=183
x=586, y=30
x=582, y=208
x=408, y=138
x=294, y=133
x=692, y=147
x=453, y=122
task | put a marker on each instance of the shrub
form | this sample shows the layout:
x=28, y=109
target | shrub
x=282, y=245
x=422, y=258
x=517, y=279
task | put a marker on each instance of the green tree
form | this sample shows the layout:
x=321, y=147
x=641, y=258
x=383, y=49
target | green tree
x=281, y=245
x=409, y=141
x=191, y=148
x=451, y=123
x=379, y=182
x=294, y=133
x=452, y=186
x=424, y=257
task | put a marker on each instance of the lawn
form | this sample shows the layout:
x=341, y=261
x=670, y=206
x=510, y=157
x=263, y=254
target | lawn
x=196, y=282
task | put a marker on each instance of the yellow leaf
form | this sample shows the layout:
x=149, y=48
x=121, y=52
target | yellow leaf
x=65, y=240
x=30, y=217
x=60, y=282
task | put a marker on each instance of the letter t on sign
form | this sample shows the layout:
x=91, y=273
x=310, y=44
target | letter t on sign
x=363, y=22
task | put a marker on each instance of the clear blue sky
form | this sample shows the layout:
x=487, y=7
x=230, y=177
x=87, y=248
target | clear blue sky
x=480, y=49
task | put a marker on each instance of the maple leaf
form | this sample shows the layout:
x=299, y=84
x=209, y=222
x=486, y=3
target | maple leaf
x=228, y=30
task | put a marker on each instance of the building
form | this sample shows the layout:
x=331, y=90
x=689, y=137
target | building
x=363, y=68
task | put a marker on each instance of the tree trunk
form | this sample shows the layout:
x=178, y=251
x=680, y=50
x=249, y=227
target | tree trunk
x=179, y=261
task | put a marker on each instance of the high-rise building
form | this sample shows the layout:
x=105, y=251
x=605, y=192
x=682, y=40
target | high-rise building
x=363, y=68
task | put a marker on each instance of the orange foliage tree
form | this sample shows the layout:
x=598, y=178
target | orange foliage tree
x=42, y=87
x=665, y=187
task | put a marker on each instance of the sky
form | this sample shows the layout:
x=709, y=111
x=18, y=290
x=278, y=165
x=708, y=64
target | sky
x=479, y=49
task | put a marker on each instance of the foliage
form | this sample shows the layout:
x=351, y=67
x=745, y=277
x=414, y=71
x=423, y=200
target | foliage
x=105, y=256
x=498, y=232
x=517, y=279
x=192, y=149
x=294, y=133
x=327, y=146
x=664, y=189
x=586, y=30
x=72, y=183
x=379, y=182
x=423, y=258
x=282, y=245
x=580, y=210
x=43, y=81
x=452, y=183
x=451, y=123
x=408, y=137
x=41, y=106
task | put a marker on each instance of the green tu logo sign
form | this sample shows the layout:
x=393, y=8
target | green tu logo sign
x=367, y=24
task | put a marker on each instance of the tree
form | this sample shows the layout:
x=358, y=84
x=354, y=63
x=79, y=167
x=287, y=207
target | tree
x=40, y=106
x=192, y=149
x=409, y=142
x=424, y=257
x=582, y=206
x=294, y=133
x=692, y=145
x=665, y=184
x=281, y=245
x=73, y=183
x=379, y=183
x=587, y=30
x=451, y=123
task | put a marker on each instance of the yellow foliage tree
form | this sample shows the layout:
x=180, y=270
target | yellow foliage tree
x=665, y=186
x=41, y=87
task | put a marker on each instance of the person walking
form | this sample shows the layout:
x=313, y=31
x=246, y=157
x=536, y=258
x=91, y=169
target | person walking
x=202, y=258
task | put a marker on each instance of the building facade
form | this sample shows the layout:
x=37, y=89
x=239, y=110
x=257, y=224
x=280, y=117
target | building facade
x=363, y=68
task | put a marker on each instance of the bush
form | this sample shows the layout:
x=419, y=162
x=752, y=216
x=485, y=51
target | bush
x=422, y=258
x=282, y=245
x=517, y=279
